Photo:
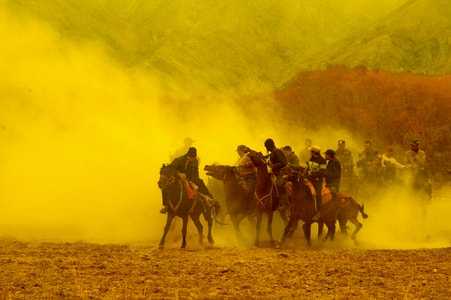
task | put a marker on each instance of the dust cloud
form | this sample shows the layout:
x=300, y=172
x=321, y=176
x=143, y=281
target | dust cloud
x=83, y=137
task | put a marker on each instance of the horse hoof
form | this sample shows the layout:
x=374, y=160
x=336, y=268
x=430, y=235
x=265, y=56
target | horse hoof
x=161, y=246
x=211, y=241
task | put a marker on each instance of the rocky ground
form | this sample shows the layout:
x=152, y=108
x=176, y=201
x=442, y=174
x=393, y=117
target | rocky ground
x=107, y=271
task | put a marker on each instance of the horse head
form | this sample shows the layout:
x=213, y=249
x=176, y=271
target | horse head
x=167, y=176
x=257, y=157
x=295, y=173
x=219, y=172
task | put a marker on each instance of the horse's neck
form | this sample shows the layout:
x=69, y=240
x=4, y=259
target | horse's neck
x=175, y=188
x=263, y=176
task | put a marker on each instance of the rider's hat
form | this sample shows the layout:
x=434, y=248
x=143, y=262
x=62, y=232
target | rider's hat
x=330, y=152
x=415, y=142
x=315, y=149
x=192, y=152
x=241, y=148
x=341, y=142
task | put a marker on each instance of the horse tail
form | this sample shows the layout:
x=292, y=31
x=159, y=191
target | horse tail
x=361, y=209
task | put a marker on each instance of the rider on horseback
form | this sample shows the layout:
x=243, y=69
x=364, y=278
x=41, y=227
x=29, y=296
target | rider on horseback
x=246, y=171
x=277, y=161
x=316, y=169
x=187, y=167
x=332, y=173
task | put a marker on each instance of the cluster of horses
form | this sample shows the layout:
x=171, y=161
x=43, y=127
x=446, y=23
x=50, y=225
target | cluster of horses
x=336, y=206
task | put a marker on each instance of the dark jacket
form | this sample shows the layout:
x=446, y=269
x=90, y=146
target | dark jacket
x=278, y=160
x=183, y=165
x=332, y=174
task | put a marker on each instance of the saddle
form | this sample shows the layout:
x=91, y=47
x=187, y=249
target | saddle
x=190, y=188
x=325, y=192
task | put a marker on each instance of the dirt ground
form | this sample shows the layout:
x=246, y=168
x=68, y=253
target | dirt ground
x=107, y=271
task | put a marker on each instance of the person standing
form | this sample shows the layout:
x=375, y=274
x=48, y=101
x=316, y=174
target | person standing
x=415, y=159
x=366, y=157
x=390, y=165
x=344, y=156
x=304, y=155
x=332, y=173
x=187, y=143
x=246, y=171
x=292, y=158
x=316, y=169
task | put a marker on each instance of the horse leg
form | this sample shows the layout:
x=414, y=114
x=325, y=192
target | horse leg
x=200, y=228
x=320, y=228
x=184, y=229
x=342, y=222
x=283, y=215
x=331, y=230
x=257, y=227
x=169, y=219
x=307, y=227
x=236, y=220
x=209, y=218
x=269, y=225
x=289, y=230
x=357, y=225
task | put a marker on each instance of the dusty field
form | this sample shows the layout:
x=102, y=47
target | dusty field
x=94, y=271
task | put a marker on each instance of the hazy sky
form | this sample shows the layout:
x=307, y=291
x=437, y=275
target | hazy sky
x=82, y=139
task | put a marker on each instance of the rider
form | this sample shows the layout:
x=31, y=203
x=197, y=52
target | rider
x=415, y=159
x=390, y=165
x=304, y=155
x=246, y=171
x=316, y=169
x=277, y=161
x=292, y=158
x=332, y=173
x=187, y=167
x=344, y=155
x=366, y=159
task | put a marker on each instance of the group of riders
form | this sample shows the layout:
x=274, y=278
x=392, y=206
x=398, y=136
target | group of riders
x=333, y=171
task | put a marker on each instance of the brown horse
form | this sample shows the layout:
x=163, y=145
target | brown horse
x=349, y=212
x=266, y=197
x=180, y=206
x=302, y=207
x=238, y=204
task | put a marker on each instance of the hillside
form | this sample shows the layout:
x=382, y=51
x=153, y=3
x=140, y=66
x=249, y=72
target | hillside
x=414, y=38
x=199, y=46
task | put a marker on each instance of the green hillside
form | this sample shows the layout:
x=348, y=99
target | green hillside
x=414, y=38
x=200, y=45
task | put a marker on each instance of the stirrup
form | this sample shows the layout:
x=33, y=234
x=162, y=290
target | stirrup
x=316, y=216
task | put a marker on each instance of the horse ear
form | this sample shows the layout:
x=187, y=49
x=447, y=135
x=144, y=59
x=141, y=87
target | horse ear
x=164, y=165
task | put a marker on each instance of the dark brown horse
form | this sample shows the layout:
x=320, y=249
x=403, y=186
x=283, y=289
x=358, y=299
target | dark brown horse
x=349, y=212
x=238, y=204
x=302, y=207
x=180, y=206
x=266, y=198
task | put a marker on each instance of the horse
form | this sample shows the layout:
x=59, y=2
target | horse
x=349, y=211
x=266, y=198
x=179, y=205
x=302, y=207
x=238, y=204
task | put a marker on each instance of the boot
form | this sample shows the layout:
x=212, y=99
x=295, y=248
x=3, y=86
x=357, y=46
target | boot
x=164, y=210
x=316, y=216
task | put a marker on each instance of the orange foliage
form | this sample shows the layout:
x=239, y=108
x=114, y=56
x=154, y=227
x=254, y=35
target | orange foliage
x=391, y=108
